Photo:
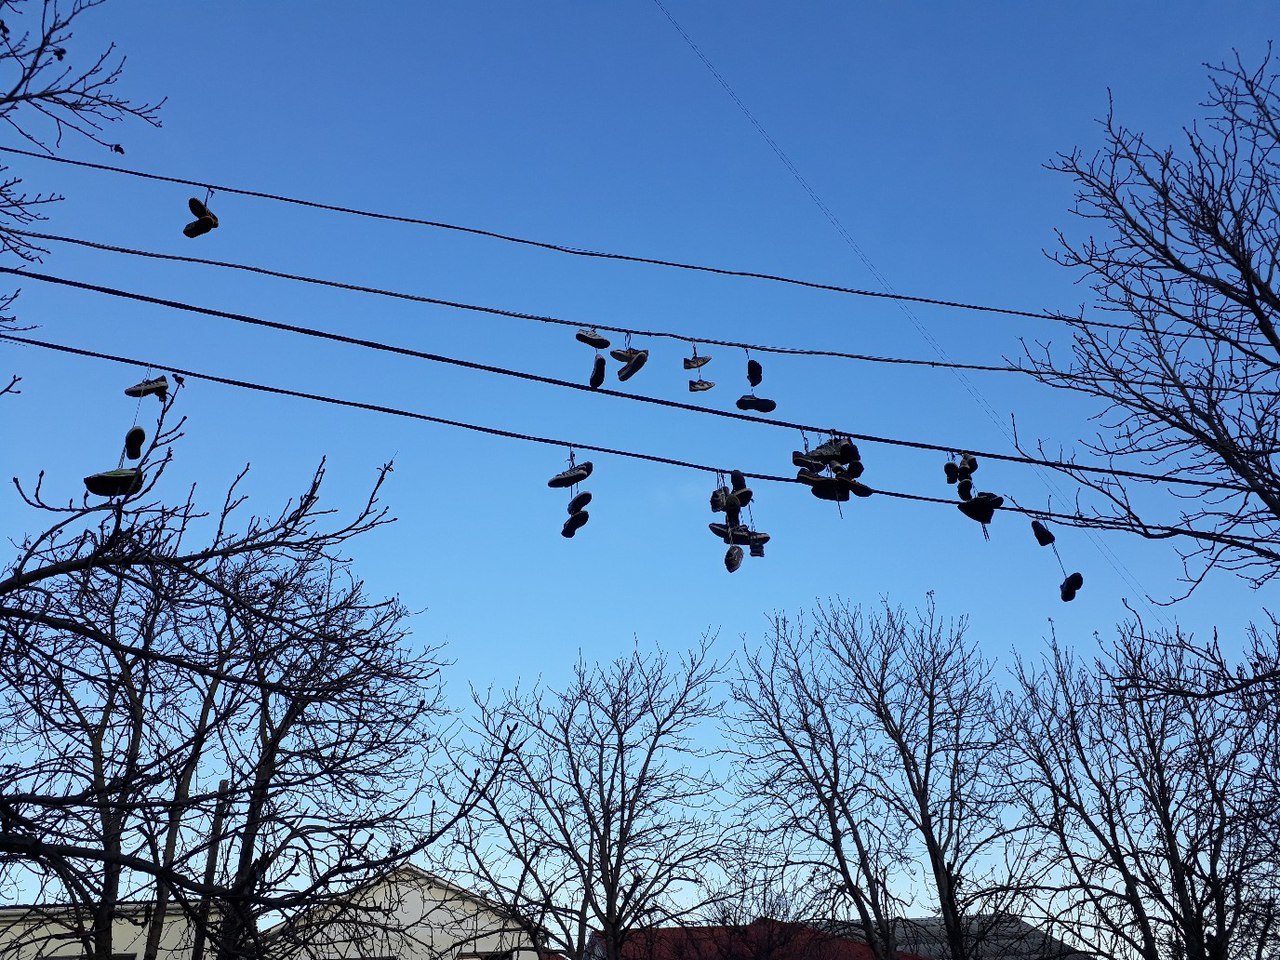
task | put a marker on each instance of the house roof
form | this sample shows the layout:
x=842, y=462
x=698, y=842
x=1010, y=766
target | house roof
x=762, y=939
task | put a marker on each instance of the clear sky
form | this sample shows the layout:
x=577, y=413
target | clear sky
x=924, y=127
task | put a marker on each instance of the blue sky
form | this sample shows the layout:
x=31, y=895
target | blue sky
x=924, y=127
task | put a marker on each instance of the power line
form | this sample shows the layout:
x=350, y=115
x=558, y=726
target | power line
x=554, y=381
x=1066, y=518
x=561, y=321
x=498, y=311
x=562, y=248
x=887, y=287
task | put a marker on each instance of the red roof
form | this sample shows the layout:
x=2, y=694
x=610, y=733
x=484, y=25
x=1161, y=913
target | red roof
x=759, y=940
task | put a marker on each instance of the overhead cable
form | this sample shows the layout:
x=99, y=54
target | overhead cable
x=1078, y=520
x=568, y=384
x=562, y=248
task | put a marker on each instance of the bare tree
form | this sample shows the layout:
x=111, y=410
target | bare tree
x=1158, y=811
x=148, y=651
x=868, y=750
x=52, y=91
x=1187, y=255
x=601, y=820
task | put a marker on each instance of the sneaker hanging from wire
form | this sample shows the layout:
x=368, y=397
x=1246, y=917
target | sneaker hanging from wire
x=114, y=483
x=952, y=471
x=1070, y=586
x=575, y=523
x=1044, y=536
x=133, y=441
x=982, y=507
x=696, y=362
x=700, y=385
x=755, y=373
x=749, y=401
x=574, y=475
x=578, y=503
x=632, y=367
x=733, y=558
x=597, y=373
x=591, y=337
x=159, y=387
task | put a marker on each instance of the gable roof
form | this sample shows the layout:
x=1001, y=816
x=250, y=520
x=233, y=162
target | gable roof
x=762, y=939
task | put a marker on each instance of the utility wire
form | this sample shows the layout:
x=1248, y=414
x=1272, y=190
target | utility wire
x=642, y=398
x=691, y=339
x=576, y=251
x=1066, y=518
x=498, y=311
x=904, y=303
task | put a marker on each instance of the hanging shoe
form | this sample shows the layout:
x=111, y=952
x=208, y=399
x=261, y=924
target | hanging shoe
x=964, y=489
x=733, y=559
x=1070, y=586
x=852, y=472
x=697, y=386
x=810, y=477
x=732, y=512
x=159, y=386
x=757, y=538
x=624, y=354
x=749, y=401
x=718, y=497
x=826, y=453
x=848, y=451
x=730, y=534
x=574, y=524
x=806, y=462
x=591, y=338
x=1044, y=536
x=743, y=495
x=737, y=480
x=200, y=211
x=696, y=362
x=953, y=472
x=133, y=443
x=756, y=549
x=969, y=462
x=829, y=488
x=114, y=483
x=575, y=474
x=577, y=504
x=982, y=507
x=632, y=366
x=755, y=373
x=597, y=373
x=198, y=228
x=963, y=472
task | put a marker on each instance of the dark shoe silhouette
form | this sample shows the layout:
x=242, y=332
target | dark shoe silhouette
x=575, y=474
x=749, y=401
x=577, y=504
x=953, y=473
x=158, y=386
x=114, y=483
x=1070, y=586
x=969, y=462
x=696, y=362
x=574, y=524
x=718, y=497
x=632, y=366
x=133, y=443
x=733, y=559
x=591, y=338
x=829, y=488
x=624, y=354
x=198, y=228
x=597, y=373
x=698, y=386
x=736, y=533
x=826, y=453
x=810, y=477
x=849, y=454
x=965, y=489
x=200, y=211
x=982, y=507
x=755, y=373
x=1044, y=536
x=806, y=462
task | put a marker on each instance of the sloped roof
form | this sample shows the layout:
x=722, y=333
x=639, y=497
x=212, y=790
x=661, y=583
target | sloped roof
x=761, y=939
